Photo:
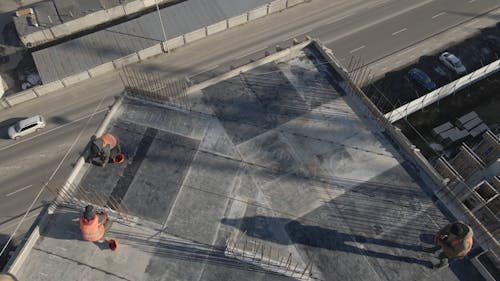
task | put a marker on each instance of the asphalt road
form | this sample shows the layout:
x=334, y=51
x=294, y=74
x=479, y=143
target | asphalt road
x=371, y=30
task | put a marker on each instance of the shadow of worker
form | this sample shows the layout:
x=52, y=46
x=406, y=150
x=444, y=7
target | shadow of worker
x=319, y=237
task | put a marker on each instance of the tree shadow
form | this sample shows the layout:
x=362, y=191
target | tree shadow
x=319, y=237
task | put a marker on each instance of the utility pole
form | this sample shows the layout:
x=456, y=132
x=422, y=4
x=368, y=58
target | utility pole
x=161, y=22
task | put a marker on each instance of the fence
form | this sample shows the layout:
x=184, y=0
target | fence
x=446, y=90
x=153, y=85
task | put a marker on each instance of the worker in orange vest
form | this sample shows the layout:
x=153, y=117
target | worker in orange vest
x=104, y=146
x=455, y=241
x=94, y=226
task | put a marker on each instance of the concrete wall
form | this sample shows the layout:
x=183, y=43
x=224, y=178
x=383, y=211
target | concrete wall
x=73, y=79
x=237, y=20
x=217, y=27
x=174, y=43
x=257, y=13
x=21, y=97
x=150, y=52
x=48, y=88
x=96, y=18
x=276, y=6
x=195, y=35
x=121, y=62
x=291, y=3
x=60, y=31
x=101, y=69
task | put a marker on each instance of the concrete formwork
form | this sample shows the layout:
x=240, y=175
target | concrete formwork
x=237, y=20
x=101, y=69
x=195, y=35
x=217, y=27
x=96, y=18
x=48, y=88
x=39, y=36
x=257, y=13
x=121, y=62
x=276, y=6
x=150, y=52
x=73, y=79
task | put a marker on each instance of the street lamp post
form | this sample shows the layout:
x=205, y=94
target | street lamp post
x=161, y=23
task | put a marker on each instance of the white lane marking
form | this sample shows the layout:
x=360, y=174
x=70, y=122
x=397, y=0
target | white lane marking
x=19, y=190
x=399, y=31
x=472, y=1
x=357, y=49
x=438, y=15
x=51, y=130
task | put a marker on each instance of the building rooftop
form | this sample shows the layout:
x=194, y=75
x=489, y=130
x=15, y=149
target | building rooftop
x=273, y=174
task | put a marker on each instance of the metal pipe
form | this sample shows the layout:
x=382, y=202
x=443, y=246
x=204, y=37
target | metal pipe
x=161, y=22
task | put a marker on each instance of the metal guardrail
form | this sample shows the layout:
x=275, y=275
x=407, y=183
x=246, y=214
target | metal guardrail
x=446, y=90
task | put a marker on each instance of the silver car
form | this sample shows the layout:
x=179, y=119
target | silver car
x=26, y=127
x=453, y=63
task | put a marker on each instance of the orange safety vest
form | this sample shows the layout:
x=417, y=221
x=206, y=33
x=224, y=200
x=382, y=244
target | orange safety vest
x=91, y=229
x=108, y=139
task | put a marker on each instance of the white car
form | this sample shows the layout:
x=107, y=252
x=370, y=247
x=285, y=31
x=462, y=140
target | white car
x=453, y=63
x=26, y=126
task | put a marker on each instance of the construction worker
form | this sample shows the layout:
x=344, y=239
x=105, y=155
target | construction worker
x=103, y=147
x=94, y=226
x=455, y=241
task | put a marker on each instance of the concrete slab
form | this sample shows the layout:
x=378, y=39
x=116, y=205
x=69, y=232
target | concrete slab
x=278, y=157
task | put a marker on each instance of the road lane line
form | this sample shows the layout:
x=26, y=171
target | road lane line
x=472, y=1
x=438, y=15
x=399, y=31
x=51, y=130
x=357, y=49
x=19, y=190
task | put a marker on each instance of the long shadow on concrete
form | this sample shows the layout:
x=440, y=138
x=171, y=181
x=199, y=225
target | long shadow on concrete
x=319, y=237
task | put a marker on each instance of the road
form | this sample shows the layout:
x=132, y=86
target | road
x=372, y=30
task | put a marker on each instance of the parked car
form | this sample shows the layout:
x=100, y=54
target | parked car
x=453, y=63
x=422, y=79
x=493, y=42
x=26, y=127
